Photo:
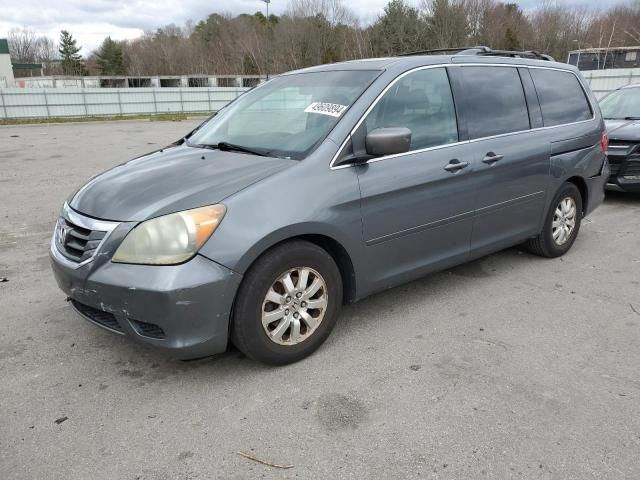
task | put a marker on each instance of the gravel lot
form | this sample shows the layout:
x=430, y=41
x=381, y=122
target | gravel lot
x=508, y=367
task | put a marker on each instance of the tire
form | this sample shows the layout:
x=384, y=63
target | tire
x=279, y=342
x=545, y=245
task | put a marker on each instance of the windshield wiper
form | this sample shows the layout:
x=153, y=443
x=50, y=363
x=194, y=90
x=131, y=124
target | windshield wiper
x=230, y=147
x=632, y=118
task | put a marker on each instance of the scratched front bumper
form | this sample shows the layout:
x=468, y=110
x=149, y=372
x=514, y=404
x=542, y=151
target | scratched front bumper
x=191, y=302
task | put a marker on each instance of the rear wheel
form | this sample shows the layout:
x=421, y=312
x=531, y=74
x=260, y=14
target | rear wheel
x=562, y=224
x=287, y=304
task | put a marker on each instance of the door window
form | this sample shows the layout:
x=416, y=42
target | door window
x=562, y=99
x=422, y=102
x=495, y=101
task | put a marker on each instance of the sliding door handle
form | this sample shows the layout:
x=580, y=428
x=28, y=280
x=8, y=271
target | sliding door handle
x=455, y=165
x=491, y=158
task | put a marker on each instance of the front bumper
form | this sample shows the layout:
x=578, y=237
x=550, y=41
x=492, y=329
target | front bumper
x=190, y=304
x=625, y=171
x=623, y=184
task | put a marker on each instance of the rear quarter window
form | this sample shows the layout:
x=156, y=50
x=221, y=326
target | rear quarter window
x=561, y=97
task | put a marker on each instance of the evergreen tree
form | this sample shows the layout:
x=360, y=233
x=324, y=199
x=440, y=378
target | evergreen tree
x=399, y=30
x=511, y=40
x=110, y=59
x=447, y=24
x=249, y=66
x=72, y=63
x=514, y=21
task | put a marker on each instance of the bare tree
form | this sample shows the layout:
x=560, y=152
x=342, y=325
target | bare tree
x=321, y=31
x=333, y=10
x=22, y=44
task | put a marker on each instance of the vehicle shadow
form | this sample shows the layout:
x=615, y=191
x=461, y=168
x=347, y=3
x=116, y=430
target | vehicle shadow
x=622, y=198
x=361, y=316
x=146, y=365
x=354, y=318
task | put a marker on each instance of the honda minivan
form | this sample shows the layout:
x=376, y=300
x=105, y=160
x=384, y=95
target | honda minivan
x=326, y=185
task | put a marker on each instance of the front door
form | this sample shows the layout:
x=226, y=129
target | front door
x=417, y=207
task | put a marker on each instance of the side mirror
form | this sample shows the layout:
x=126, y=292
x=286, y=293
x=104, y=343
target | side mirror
x=388, y=141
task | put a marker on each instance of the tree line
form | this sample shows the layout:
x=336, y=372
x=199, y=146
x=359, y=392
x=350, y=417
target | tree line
x=312, y=32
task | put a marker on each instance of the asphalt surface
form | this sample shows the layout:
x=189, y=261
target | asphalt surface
x=508, y=367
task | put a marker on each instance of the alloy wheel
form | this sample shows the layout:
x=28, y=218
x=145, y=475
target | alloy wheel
x=294, y=306
x=564, y=221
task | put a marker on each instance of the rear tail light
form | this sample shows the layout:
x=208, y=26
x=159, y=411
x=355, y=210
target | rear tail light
x=604, y=142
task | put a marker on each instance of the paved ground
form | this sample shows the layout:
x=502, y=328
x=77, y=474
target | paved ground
x=508, y=367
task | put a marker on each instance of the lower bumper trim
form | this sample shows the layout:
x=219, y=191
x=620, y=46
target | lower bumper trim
x=622, y=183
x=100, y=318
x=613, y=186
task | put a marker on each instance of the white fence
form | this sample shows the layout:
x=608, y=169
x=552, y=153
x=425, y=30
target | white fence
x=88, y=102
x=16, y=103
x=604, y=81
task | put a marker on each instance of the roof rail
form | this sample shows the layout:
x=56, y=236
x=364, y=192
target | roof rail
x=484, y=51
x=456, y=50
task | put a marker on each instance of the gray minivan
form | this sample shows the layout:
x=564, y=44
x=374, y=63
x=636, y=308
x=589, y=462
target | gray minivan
x=326, y=185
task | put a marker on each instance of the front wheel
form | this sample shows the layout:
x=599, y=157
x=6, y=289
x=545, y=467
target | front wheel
x=288, y=303
x=562, y=224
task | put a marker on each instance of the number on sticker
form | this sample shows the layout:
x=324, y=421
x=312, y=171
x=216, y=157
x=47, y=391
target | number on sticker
x=332, y=109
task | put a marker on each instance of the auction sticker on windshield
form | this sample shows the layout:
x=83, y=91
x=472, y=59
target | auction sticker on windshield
x=332, y=109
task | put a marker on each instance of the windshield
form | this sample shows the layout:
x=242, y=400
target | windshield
x=287, y=116
x=622, y=104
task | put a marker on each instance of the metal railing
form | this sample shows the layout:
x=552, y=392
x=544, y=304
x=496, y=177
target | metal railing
x=16, y=103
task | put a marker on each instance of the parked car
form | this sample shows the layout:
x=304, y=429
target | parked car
x=324, y=186
x=621, y=112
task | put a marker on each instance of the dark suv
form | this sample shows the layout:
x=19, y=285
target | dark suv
x=621, y=111
x=326, y=185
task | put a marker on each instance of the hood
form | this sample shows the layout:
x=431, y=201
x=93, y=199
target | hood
x=176, y=178
x=623, y=130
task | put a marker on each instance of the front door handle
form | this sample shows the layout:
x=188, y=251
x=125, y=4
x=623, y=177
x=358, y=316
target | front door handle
x=491, y=158
x=455, y=165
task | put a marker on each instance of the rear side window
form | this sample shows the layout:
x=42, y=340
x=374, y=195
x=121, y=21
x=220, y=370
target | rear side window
x=495, y=102
x=422, y=102
x=561, y=96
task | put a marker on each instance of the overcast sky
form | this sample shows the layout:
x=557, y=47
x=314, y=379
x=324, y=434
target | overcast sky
x=91, y=20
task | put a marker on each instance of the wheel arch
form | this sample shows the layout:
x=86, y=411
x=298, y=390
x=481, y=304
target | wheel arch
x=342, y=259
x=582, y=187
x=325, y=240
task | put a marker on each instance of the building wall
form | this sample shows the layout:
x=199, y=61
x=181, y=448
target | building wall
x=6, y=71
x=605, y=58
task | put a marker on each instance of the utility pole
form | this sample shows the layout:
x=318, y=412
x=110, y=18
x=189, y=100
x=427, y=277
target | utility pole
x=267, y=45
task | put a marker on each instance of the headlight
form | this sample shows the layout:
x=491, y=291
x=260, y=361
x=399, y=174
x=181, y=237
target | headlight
x=170, y=239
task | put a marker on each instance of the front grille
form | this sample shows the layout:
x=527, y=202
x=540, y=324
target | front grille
x=624, y=159
x=614, y=168
x=106, y=319
x=150, y=330
x=632, y=169
x=77, y=243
